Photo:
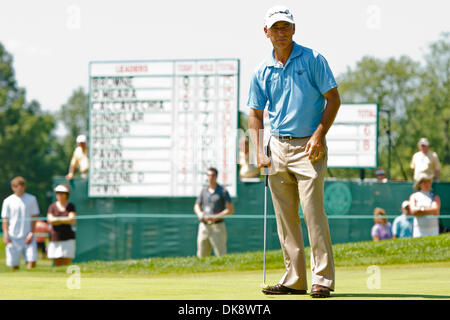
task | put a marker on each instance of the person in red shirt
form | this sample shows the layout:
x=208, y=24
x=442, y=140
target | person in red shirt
x=42, y=232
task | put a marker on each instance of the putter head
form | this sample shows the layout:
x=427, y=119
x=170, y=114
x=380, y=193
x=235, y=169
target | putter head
x=264, y=286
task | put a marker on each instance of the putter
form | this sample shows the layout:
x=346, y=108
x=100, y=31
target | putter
x=266, y=186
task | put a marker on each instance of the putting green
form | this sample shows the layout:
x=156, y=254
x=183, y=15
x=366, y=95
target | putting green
x=409, y=281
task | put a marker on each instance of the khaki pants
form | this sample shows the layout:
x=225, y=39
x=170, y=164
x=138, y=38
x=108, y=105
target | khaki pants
x=296, y=180
x=211, y=236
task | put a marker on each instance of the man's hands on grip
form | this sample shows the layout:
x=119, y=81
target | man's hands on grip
x=262, y=160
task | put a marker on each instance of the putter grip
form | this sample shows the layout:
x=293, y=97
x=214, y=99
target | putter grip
x=266, y=176
x=266, y=169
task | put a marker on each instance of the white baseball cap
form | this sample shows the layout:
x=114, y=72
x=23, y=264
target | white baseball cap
x=81, y=138
x=278, y=13
x=62, y=188
x=423, y=141
x=405, y=204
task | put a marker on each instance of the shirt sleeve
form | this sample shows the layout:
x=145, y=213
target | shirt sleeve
x=389, y=229
x=71, y=207
x=5, y=210
x=75, y=157
x=226, y=196
x=395, y=227
x=437, y=164
x=199, y=199
x=257, y=99
x=34, y=207
x=50, y=209
x=412, y=165
x=322, y=75
x=375, y=231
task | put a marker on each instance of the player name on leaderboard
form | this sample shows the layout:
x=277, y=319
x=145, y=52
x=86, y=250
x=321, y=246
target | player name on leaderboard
x=156, y=126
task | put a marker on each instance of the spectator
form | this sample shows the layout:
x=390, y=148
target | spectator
x=403, y=224
x=42, y=232
x=382, y=228
x=425, y=161
x=246, y=170
x=380, y=174
x=211, y=206
x=61, y=217
x=80, y=159
x=18, y=210
x=425, y=206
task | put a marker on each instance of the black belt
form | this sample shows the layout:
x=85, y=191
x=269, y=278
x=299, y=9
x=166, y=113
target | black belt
x=284, y=138
x=218, y=221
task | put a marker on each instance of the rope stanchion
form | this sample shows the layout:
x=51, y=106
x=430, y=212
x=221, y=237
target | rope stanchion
x=194, y=217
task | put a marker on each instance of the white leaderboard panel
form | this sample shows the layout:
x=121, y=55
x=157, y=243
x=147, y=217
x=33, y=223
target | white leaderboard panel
x=156, y=126
x=352, y=139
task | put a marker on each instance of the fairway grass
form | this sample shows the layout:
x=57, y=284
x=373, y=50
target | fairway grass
x=392, y=269
x=417, y=281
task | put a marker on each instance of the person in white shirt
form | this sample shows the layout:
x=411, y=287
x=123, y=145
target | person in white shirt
x=80, y=159
x=18, y=211
x=426, y=161
x=425, y=206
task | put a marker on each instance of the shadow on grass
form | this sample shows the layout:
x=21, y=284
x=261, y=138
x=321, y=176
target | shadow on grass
x=388, y=295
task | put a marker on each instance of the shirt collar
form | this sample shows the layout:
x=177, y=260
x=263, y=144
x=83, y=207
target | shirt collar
x=296, y=52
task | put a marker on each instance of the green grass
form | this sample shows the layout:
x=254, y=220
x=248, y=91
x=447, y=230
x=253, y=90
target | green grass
x=399, y=251
x=409, y=269
x=416, y=281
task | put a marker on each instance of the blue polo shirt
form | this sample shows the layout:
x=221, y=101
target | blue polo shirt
x=403, y=226
x=293, y=92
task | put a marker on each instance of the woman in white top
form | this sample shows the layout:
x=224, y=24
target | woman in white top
x=426, y=207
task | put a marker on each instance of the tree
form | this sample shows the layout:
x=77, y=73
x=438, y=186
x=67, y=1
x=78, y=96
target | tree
x=26, y=141
x=392, y=83
x=430, y=116
x=416, y=96
x=74, y=113
x=8, y=86
x=434, y=108
x=74, y=116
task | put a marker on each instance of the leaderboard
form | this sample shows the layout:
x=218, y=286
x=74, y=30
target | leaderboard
x=156, y=126
x=353, y=138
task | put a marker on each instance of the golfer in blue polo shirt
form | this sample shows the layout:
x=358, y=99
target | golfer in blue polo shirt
x=298, y=89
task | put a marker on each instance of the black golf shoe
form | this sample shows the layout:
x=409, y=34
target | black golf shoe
x=280, y=289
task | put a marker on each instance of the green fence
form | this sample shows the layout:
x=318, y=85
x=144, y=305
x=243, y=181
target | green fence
x=133, y=228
